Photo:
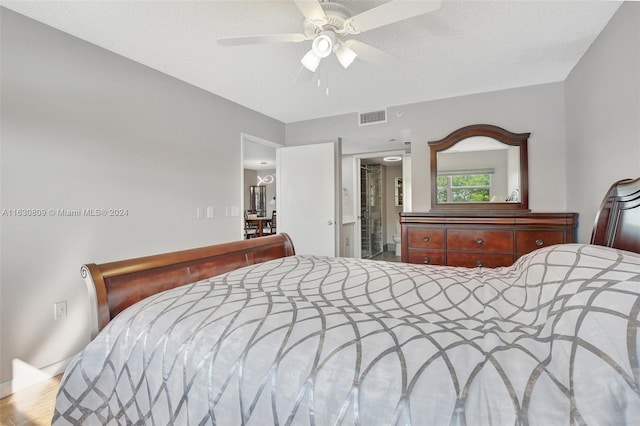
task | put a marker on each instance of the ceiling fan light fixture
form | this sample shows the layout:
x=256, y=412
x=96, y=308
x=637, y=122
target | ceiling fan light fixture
x=328, y=23
x=345, y=55
x=311, y=61
x=323, y=44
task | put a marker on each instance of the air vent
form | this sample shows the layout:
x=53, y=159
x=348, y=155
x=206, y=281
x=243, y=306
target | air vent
x=373, y=117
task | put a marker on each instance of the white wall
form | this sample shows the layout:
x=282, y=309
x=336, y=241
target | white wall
x=348, y=215
x=250, y=178
x=392, y=211
x=535, y=109
x=346, y=248
x=603, y=116
x=348, y=196
x=85, y=128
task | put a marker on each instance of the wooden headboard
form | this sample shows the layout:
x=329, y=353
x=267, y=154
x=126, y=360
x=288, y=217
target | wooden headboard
x=114, y=286
x=617, y=223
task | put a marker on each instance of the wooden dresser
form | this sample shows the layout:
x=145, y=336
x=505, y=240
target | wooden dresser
x=484, y=238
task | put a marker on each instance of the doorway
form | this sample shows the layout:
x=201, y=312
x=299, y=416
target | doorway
x=376, y=209
x=302, y=184
x=258, y=183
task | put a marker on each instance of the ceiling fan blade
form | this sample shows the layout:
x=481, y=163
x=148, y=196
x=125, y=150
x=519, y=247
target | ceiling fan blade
x=389, y=13
x=372, y=54
x=311, y=9
x=260, y=39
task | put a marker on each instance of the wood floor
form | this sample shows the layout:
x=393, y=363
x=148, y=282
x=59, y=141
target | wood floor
x=32, y=406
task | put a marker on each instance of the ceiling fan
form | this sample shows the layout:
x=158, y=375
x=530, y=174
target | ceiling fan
x=330, y=26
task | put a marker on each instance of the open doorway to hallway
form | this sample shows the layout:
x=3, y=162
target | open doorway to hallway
x=258, y=182
x=304, y=192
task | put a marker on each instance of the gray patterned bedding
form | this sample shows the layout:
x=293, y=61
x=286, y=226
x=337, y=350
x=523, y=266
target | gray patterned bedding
x=552, y=340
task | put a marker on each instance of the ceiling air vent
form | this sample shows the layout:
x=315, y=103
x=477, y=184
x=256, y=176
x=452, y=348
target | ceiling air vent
x=373, y=117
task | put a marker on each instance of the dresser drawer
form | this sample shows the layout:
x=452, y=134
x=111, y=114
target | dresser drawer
x=527, y=241
x=473, y=260
x=490, y=239
x=480, y=240
x=425, y=238
x=426, y=257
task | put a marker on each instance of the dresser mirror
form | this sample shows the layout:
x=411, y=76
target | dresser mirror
x=480, y=167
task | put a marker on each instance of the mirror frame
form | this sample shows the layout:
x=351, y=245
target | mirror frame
x=494, y=132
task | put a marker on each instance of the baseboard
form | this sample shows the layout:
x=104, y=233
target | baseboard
x=45, y=373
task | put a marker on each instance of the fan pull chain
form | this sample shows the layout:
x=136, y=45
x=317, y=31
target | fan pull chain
x=319, y=84
x=326, y=90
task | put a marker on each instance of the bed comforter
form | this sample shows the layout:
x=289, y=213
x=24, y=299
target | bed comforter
x=304, y=340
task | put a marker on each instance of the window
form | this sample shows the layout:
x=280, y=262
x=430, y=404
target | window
x=464, y=187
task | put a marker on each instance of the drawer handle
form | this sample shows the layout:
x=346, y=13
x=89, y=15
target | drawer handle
x=425, y=239
x=479, y=241
x=478, y=263
x=539, y=242
x=426, y=260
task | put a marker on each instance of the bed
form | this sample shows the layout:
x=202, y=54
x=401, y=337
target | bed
x=252, y=333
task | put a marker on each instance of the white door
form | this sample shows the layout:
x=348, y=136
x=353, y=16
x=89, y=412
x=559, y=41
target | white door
x=308, y=206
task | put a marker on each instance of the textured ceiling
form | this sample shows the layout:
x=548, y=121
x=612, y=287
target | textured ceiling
x=464, y=47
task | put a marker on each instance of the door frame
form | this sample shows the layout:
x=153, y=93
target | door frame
x=245, y=137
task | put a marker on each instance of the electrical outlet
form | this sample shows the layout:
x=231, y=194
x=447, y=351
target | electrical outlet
x=60, y=310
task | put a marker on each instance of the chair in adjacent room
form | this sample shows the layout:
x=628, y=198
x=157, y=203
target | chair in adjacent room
x=250, y=229
x=272, y=229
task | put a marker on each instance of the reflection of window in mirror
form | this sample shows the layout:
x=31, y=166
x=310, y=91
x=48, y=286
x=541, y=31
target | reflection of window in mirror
x=398, y=191
x=465, y=186
x=477, y=169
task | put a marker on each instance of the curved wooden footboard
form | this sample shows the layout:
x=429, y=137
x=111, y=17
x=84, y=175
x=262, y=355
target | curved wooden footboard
x=115, y=286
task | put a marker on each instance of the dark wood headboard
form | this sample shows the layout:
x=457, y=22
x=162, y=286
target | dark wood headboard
x=617, y=223
x=114, y=286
